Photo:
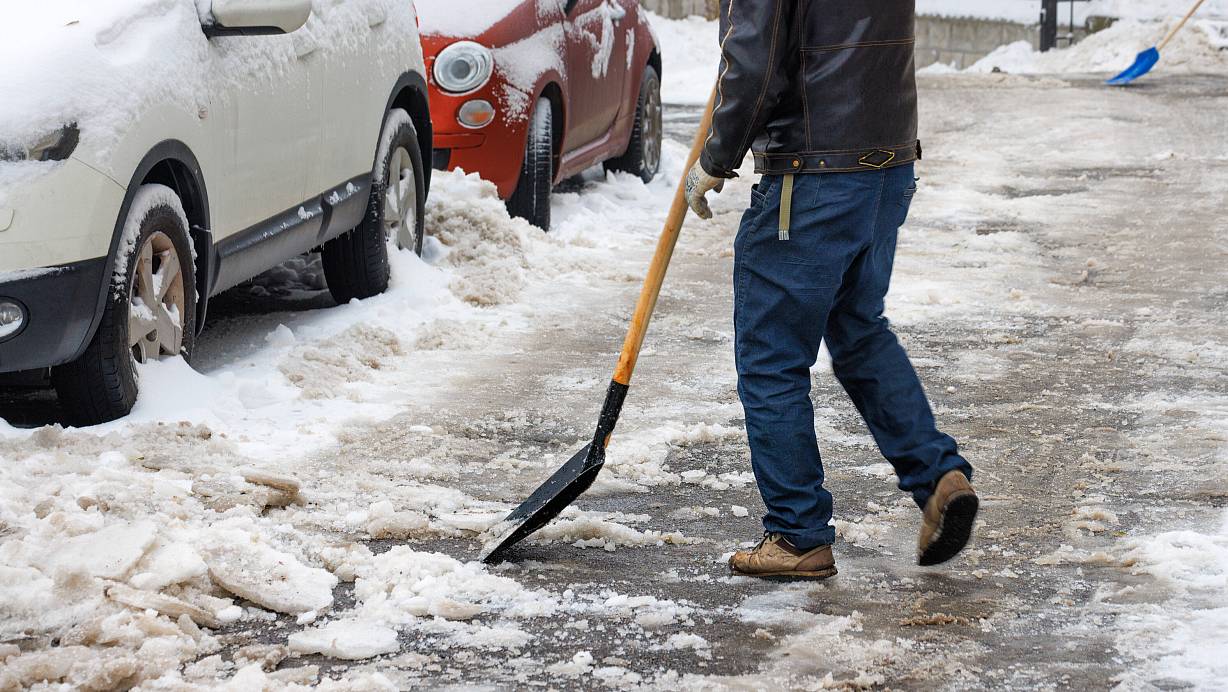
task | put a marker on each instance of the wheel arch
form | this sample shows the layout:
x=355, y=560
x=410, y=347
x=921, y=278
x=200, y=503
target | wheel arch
x=171, y=163
x=411, y=94
x=654, y=61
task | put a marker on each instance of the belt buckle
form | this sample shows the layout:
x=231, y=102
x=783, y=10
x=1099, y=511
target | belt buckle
x=879, y=161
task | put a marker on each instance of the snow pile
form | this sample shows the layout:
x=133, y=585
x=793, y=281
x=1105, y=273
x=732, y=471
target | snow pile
x=638, y=457
x=1195, y=565
x=593, y=530
x=402, y=585
x=484, y=246
x=430, y=593
x=1194, y=50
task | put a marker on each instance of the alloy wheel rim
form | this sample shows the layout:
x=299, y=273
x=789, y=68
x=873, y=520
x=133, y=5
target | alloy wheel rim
x=401, y=201
x=156, y=303
x=652, y=128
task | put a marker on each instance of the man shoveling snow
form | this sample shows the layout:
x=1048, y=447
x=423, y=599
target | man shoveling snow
x=827, y=94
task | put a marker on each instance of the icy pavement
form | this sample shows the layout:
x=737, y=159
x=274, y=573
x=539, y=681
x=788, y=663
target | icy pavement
x=313, y=518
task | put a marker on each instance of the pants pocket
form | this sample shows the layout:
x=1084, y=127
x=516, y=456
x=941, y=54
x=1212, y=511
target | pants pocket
x=759, y=191
x=909, y=193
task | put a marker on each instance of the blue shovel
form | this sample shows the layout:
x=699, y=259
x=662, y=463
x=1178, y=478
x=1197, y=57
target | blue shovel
x=1148, y=58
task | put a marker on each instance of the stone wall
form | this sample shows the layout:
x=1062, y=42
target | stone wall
x=676, y=9
x=961, y=42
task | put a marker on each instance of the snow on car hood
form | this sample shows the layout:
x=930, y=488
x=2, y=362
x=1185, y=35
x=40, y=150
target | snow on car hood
x=96, y=64
x=102, y=63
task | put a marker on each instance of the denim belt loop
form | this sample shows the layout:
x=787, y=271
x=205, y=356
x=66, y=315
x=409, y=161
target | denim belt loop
x=786, y=206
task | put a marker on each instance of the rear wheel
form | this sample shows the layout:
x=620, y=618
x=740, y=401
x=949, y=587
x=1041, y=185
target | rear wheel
x=150, y=312
x=356, y=263
x=531, y=200
x=643, y=155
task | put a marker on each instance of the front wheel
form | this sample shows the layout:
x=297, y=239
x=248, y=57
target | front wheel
x=356, y=262
x=643, y=155
x=531, y=200
x=150, y=311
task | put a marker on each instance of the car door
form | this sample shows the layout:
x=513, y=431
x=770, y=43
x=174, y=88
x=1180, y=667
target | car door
x=596, y=48
x=359, y=77
x=277, y=123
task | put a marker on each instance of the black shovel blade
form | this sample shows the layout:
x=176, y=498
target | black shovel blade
x=567, y=484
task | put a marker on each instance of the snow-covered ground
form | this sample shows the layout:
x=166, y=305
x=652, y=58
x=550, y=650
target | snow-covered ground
x=294, y=477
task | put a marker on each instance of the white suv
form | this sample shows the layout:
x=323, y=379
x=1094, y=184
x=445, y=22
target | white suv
x=156, y=152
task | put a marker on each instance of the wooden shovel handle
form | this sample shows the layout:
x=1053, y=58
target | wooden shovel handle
x=1173, y=34
x=660, y=260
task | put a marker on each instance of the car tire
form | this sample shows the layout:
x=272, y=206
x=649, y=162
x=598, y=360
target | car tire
x=356, y=262
x=531, y=200
x=643, y=155
x=154, y=265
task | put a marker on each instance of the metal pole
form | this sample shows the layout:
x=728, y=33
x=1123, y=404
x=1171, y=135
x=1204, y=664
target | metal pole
x=1048, y=25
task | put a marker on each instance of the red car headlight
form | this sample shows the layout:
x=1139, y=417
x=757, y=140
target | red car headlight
x=463, y=67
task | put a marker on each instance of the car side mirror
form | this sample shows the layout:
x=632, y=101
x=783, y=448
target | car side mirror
x=256, y=17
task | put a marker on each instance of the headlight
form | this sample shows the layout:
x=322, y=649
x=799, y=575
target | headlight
x=56, y=146
x=463, y=67
x=12, y=318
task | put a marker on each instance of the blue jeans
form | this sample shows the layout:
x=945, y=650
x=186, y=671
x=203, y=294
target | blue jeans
x=827, y=281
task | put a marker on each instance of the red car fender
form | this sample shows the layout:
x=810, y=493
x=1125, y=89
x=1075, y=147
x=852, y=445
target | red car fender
x=647, y=51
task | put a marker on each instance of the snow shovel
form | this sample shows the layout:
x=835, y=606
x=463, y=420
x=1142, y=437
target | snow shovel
x=1148, y=58
x=578, y=474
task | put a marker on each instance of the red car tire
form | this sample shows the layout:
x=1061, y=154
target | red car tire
x=643, y=155
x=531, y=200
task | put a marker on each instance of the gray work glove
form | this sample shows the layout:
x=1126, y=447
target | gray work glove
x=699, y=184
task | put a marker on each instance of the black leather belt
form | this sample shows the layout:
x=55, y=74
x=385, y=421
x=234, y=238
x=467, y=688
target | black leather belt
x=837, y=161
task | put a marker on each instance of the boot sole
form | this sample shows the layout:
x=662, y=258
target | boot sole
x=958, y=518
x=788, y=576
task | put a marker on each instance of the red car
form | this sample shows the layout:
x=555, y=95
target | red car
x=529, y=92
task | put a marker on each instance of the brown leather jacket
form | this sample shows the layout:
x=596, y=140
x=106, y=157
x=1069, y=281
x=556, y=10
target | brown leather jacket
x=816, y=86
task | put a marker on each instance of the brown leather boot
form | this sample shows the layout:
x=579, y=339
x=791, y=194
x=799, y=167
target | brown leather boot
x=948, y=519
x=775, y=557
